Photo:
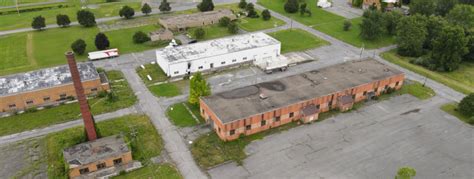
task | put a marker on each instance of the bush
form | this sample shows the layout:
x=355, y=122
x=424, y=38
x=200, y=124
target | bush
x=199, y=33
x=112, y=97
x=242, y=4
x=38, y=23
x=347, y=25
x=31, y=110
x=101, y=41
x=206, y=5
x=140, y=37
x=291, y=6
x=233, y=28
x=79, y=46
x=102, y=94
x=466, y=106
x=127, y=12
x=266, y=14
x=224, y=21
x=62, y=20
x=86, y=18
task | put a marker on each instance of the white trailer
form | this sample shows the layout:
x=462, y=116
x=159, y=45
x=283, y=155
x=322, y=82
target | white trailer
x=97, y=55
x=269, y=64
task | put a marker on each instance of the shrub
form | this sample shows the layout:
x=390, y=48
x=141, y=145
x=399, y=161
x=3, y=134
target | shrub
x=291, y=6
x=79, y=46
x=199, y=33
x=233, y=28
x=266, y=14
x=62, y=20
x=466, y=106
x=101, y=41
x=31, y=110
x=140, y=37
x=224, y=21
x=206, y=5
x=38, y=23
x=86, y=18
x=127, y=12
x=112, y=97
x=347, y=25
x=242, y=4
x=102, y=94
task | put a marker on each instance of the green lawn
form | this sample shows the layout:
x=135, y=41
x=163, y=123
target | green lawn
x=155, y=72
x=304, y=41
x=145, y=145
x=212, y=32
x=335, y=29
x=209, y=150
x=46, y=48
x=461, y=80
x=67, y=112
x=165, y=90
x=15, y=21
x=165, y=171
x=452, y=108
x=180, y=116
x=12, y=2
x=418, y=90
x=256, y=24
x=319, y=15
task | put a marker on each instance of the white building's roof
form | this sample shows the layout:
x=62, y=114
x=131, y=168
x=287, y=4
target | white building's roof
x=44, y=78
x=216, y=47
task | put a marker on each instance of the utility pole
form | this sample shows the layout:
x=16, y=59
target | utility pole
x=17, y=9
x=361, y=51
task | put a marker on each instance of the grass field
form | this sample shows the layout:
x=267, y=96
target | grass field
x=304, y=41
x=335, y=29
x=145, y=145
x=451, y=108
x=461, y=80
x=209, y=150
x=180, y=116
x=15, y=21
x=46, y=48
x=212, y=32
x=418, y=90
x=67, y=112
x=165, y=171
x=165, y=90
x=256, y=24
x=155, y=72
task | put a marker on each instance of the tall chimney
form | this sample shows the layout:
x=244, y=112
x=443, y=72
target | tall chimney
x=85, y=110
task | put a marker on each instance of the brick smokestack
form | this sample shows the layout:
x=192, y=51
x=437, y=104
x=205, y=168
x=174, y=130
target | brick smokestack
x=85, y=110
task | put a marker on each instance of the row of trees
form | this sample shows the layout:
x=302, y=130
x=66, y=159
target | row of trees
x=87, y=18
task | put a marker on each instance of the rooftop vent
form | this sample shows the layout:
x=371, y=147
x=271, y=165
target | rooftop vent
x=263, y=96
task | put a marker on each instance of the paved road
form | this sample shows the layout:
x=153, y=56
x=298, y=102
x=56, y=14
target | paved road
x=31, y=4
x=372, y=142
x=175, y=7
x=59, y=127
x=175, y=145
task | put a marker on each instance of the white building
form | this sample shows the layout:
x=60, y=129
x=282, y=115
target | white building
x=218, y=53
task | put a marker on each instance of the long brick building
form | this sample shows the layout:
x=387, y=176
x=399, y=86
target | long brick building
x=47, y=86
x=259, y=107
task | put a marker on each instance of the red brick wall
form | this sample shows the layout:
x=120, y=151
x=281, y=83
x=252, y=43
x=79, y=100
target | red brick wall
x=255, y=121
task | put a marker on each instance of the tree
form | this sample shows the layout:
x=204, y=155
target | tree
x=470, y=45
x=62, y=20
x=391, y=20
x=38, y=23
x=466, y=106
x=233, y=28
x=448, y=48
x=146, y=9
x=140, y=37
x=347, y=25
x=434, y=26
x=224, y=21
x=206, y=5
x=302, y=8
x=266, y=15
x=86, y=18
x=444, y=6
x=79, y=46
x=251, y=11
x=127, y=12
x=373, y=25
x=291, y=6
x=242, y=4
x=101, y=41
x=198, y=87
x=470, y=2
x=423, y=7
x=165, y=6
x=249, y=7
x=199, y=33
x=462, y=15
x=411, y=35
x=405, y=173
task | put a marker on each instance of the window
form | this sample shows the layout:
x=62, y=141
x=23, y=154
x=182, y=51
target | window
x=83, y=170
x=245, y=58
x=376, y=89
x=330, y=104
x=62, y=96
x=100, y=166
x=396, y=84
x=292, y=114
x=117, y=161
x=29, y=102
x=318, y=106
x=248, y=127
x=276, y=119
x=176, y=72
x=263, y=123
x=365, y=93
x=12, y=105
x=222, y=63
x=47, y=98
x=94, y=89
x=232, y=132
x=200, y=67
x=234, y=60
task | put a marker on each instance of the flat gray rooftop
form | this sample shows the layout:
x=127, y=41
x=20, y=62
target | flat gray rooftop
x=216, y=47
x=44, y=78
x=244, y=102
x=97, y=150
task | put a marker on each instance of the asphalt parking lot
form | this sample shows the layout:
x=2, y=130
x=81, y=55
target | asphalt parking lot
x=372, y=142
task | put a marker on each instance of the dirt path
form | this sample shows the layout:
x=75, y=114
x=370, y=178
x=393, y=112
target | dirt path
x=29, y=50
